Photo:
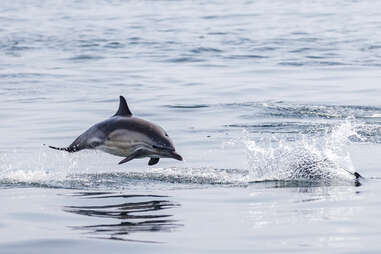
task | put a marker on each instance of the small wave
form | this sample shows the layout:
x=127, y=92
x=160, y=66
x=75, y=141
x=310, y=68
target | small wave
x=311, y=63
x=114, y=45
x=87, y=44
x=200, y=50
x=240, y=57
x=192, y=106
x=85, y=58
x=185, y=59
x=301, y=50
x=284, y=127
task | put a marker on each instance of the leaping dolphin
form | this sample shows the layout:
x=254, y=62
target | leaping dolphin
x=126, y=136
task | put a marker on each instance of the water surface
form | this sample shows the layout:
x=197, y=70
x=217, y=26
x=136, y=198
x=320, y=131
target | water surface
x=273, y=105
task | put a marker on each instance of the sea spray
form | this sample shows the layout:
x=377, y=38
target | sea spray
x=322, y=158
x=37, y=167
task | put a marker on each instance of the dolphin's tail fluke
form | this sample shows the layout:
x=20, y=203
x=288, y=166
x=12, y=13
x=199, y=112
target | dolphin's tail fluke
x=67, y=149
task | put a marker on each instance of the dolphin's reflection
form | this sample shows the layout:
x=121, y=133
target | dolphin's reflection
x=142, y=213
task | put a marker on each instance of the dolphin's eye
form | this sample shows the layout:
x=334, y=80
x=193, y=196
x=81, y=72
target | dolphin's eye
x=94, y=144
x=166, y=134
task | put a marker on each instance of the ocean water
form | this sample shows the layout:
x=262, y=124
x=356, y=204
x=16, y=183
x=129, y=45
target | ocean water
x=273, y=105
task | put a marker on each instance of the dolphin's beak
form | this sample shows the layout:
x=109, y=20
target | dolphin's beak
x=176, y=156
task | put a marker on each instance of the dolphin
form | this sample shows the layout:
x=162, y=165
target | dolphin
x=126, y=136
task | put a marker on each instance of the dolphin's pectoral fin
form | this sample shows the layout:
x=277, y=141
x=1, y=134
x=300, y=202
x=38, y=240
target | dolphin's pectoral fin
x=123, y=109
x=127, y=159
x=136, y=154
x=153, y=161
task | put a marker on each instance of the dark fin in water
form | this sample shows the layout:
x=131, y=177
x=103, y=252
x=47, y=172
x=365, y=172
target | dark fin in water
x=153, y=161
x=357, y=175
x=357, y=180
x=123, y=108
x=67, y=149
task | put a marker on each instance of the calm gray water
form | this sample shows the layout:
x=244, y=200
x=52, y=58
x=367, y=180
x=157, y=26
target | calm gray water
x=272, y=104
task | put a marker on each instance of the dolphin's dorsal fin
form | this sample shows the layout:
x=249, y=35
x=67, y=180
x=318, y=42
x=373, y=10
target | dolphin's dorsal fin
x=123, y=108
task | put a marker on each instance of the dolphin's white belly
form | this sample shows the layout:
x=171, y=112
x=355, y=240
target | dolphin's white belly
x=119, y=149
x=124, y=143
x=115, y=151
x=124, y=146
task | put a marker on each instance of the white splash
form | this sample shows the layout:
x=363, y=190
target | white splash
x=38, y=167
x=324, y=157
